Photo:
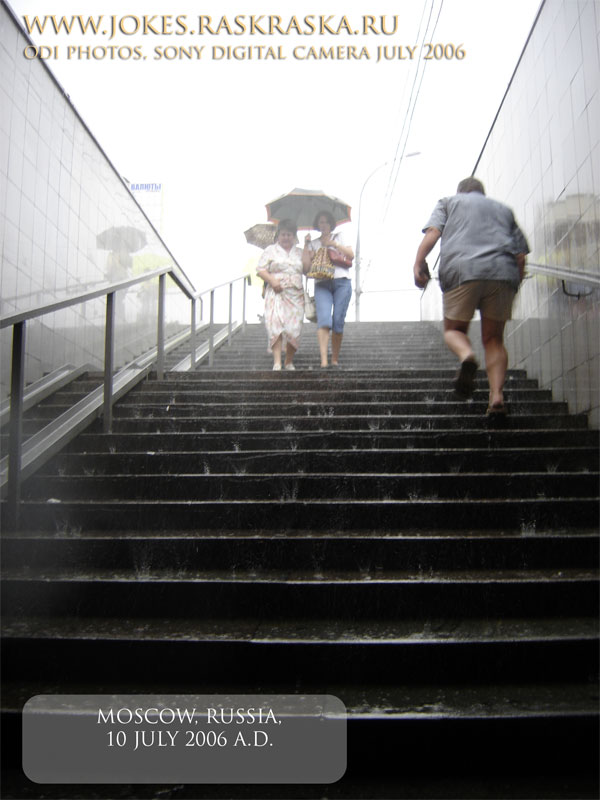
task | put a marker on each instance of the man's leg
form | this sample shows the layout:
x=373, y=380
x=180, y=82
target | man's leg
x=455, y=336
x=496, y=358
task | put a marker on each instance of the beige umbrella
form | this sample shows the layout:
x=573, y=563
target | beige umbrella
x=261, y=235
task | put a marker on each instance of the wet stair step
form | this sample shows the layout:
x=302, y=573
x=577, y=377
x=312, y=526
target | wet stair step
x=366, y=552
x=182, y=592
x=329, y=422
x=369, y=651
x=288, y=515
x=301, y=460
x=212, y=485
x=365, y=441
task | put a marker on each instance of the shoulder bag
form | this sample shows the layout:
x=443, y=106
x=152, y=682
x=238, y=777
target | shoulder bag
x=310, y=307
x=338, y=259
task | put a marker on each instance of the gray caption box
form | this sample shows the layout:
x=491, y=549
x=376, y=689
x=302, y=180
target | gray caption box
x=184, y=739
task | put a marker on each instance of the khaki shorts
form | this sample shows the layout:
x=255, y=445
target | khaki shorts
x=494, y=300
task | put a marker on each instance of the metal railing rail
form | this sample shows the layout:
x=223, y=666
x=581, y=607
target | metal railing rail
x=18, y=321
x=44, y=387
x=565, y=274
x=230, y=324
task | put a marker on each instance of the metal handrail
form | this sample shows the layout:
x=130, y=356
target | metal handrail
x=211, y=292
x=565, y=274
x=73, y=300
x=18, y=322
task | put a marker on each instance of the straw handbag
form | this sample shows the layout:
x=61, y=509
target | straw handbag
x=321, y=267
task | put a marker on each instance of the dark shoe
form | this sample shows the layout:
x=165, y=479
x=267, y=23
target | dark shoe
x=496, y=416
x=464, y=383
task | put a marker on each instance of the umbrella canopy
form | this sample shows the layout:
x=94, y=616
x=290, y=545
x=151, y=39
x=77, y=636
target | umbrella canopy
x=121, y=238
x=303, y=205
x=261, y=235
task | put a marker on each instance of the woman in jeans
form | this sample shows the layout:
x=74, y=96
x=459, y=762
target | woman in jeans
x=332, y=297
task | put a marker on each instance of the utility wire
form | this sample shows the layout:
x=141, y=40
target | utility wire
x=405, y=117
x=410, y=112
x=367, y=267
x=397, y=162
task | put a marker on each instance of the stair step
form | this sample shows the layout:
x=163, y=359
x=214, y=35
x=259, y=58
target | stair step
x=425, y=395
x=70, y=651
x=287, y=515
x=320, y=632
x=440, y=702
x=368, y=552
x=182, y=592
x=331, y=422
x=492, y=441
x=298, y=487
x=276, y=462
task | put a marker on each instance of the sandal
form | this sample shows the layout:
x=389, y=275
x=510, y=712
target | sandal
x=464, y=383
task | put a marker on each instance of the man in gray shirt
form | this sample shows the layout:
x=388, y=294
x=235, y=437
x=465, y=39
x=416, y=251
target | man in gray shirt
x=482, y=263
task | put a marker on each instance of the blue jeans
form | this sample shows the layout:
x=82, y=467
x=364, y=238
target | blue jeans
x=332, y=299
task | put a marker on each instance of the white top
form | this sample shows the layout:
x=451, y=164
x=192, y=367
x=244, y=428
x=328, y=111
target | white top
x=275, y=259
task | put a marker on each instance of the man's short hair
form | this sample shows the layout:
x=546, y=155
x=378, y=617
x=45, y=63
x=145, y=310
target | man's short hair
x=470, y=185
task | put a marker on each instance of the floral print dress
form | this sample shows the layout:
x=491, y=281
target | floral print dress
x=284, y=311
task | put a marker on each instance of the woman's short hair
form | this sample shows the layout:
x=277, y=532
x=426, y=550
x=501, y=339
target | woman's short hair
x=328, y=216
x=470, y=185
x=287, y=225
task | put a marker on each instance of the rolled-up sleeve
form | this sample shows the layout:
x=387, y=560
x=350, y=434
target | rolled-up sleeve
x=438, y=217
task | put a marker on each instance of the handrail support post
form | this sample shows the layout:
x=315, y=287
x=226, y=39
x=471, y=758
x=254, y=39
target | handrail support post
x=15, y=444
x=193, y=335
x=230, y=325
x=211, y=337
x=160, y=334
x=109, y=358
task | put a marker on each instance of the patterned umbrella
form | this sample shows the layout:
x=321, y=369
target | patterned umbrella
x=262, y=234
x=303, y=205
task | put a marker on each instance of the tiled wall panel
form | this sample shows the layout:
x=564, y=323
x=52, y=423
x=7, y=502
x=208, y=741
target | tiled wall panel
x=63, y=214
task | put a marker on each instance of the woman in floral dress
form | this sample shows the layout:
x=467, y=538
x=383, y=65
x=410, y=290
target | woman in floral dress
x=280, y=266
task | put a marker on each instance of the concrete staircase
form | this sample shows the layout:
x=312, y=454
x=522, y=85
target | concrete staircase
x=356, y=532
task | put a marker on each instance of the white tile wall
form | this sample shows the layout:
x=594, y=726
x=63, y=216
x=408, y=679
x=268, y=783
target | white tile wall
x=58, y=191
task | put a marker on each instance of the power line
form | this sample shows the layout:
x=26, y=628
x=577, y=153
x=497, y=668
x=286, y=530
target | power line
x=392, y=184
x=411, y=93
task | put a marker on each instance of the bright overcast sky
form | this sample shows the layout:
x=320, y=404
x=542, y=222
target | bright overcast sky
x=225, y=136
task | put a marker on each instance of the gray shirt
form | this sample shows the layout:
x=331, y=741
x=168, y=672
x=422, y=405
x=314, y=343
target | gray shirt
x=480, y=240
